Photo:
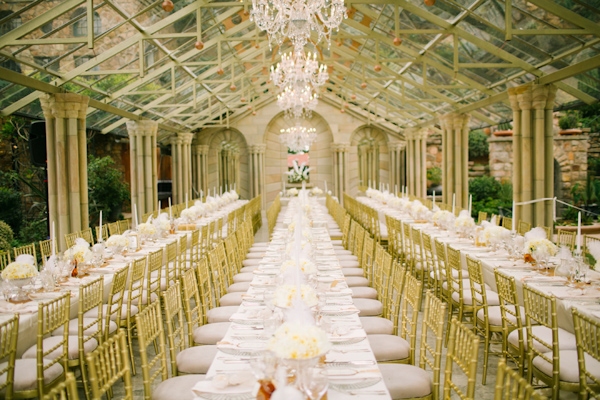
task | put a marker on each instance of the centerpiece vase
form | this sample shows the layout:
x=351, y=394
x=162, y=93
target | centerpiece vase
x=20, y=296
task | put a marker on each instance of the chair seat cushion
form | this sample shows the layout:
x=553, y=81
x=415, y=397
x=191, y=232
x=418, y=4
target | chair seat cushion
x=178, y=387
x=566, y=340
x=248, y=269
x=368, y=307
x=74, y=327
x=352, y=271
x=495, y=315
x=251, y=262
x=353, y=281
x=221, y=314
x=26, y=374
x=231, y=299
x=255, y=256
x=210, y=333
x=243, y=277
x=94, y=313
x=348, y=257
x=349, y=264
x=343, y=252
x=196, y=360
x=568, y=365
x=72, y=348
x=377, y=325
x=406, y=381
x=492, y=297
x=337, y=243
x=364, y=292
x=239, y=287
x=389, y=347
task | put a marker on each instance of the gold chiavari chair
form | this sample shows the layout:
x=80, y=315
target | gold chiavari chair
x=566, y=238
x=587, y=241
x=204, y=287
x=391, y=229
x=107, y=365
x=134, y=303
x=124, y=225
x=512, y=386
x=435, y=279
x=113, y=228
x=153, y=277
x=70, y=238
x=67, y=390
x=192, y=253
x=27, y=249
x=219, y=229
x=463, y=348
x=496, y=219
x=46, y=249
x=523, y=227
x=481, y=216
x=548, y=231
x=171, y=266
x=9, y=330
x=546, y=342
x=481, y=300
x=442, y=267
x=420, y=268
x=4, y=259
x=507, y=222
x=456, y=288
x=37, y=375
x=212, y=235
x=230, y=223
x=587, y=334
x=87, y=235
x=104, y=233
x=146, y=216
x=184, y=359
x=155, y=366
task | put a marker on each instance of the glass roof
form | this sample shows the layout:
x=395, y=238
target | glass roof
x=135, y=59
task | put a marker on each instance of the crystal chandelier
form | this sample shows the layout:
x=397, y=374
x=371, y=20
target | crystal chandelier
x=296, y=19
x=298, y=101
x=298, y=138
x=297, y=68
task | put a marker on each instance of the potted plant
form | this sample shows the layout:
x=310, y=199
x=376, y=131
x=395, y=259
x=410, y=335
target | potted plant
x=568, y=125
x=504, y=129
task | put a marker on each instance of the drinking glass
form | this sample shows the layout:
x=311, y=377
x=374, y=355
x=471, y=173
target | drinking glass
x=314, y=382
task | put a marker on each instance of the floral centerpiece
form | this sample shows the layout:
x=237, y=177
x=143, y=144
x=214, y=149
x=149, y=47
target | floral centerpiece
x=316, y=191
x=296, y=341
x=292, y=192
x=493, y=234
x=284, y=295
x=146, y=229
x=19, y=274
x=306, y=266
x=540, y=248
x=118, y=243
x=464, y=222
x=189, y=214
x=80, y=252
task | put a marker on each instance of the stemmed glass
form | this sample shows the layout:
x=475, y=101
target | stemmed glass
x=314, y=382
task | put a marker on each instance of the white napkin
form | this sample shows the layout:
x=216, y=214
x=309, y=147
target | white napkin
x=208, y=387
x=23, y=308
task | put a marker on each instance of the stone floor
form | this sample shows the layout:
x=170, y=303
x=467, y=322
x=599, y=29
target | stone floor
x=483, y=392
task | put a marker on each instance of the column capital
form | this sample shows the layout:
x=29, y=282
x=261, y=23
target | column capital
x=532, y=96
x=455, y=120
x=258, y=148
x=340, y=147
x=175, y=140
x=410, y=133
x=396, y=146
x=64, y=105
x=186, y=137
x=145, y=127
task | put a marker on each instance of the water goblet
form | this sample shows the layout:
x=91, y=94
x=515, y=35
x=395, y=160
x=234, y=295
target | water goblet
x=314, y=382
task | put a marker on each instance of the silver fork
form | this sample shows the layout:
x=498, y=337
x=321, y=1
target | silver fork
x=344, y=351
x=363, y=392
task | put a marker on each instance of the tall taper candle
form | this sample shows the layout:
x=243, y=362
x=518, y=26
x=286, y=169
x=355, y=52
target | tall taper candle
x=579, y=233
x=514, y=220
x=100, y=228
x=454, y=203
x=186, y=200
x=170, y=213
x=53, y=239
x=135, y=217
x=201, y=196
x=470, y=203
x=434, y=197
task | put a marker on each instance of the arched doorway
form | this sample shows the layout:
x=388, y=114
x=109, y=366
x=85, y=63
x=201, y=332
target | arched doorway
x=276, y=154
x=228, y=162
x=369, y=158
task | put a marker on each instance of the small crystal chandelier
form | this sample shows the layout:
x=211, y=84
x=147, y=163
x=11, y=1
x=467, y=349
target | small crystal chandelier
x=296, y=67
x=295, y=19
x=298, y=101
x=298, y=138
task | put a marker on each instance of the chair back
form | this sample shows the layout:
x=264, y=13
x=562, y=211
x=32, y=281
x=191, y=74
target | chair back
x=192, y=256
x=115, y=299
x=478, y=292
x=70, y=238
x=150, y=330
x=219, y=229
x=507, y=222
x=230, y=223
x=430, y=264
x=359, y=241
x=482, y=216
x=346, y=230
x=587, y=241
x=204, y=287
x=217, y=271
x=566, y=238
x=104, y=233
x=109, y=364
x=587, y=335
x=454, y=273
x=113, y=228
x=352, y=236
x=377, y=272
x=5, y=259
x=27, y=249
x=87, y=235
x=367, y=256
x=511, y=316
x=171, y=266
x=387, y=273
x=512, y=386
x=391, y=229
x=9, y=331
x=523, y=227
x=124, y=225
x=411, y=299
x=204, y=241
x=135, y=286
x=90, y=328
x=548, y=231
x=153, y=276
x=46, y=250
x=433, y=324
x=461, y=356
x=176, y=336
x=67, y=389
x=194, y=314
x=395, y=296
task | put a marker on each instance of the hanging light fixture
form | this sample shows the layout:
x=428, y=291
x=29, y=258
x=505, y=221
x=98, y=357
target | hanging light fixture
x=298, y=67
x=298, y=138
x=295, y=19
x=298, y=101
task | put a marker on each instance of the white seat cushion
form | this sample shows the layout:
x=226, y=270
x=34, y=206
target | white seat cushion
x=72, y=348
x=347, y=257
x=406, y=381
x=336, y=242
x=231, y=299
x=26, y=374
x=178, y=387
x=368, y=307
x=568, y=365
x=495, y=315
x=94, y=313
x=210, y=333
x=248, y=269
x=364, y=292
x=377, y=325
x=196, y=360
x=353, y=281
x=221, y=314
x=492, y=297
x=349, y=264
x=253, y=262
x=238, y=287
x=243, y=277
x=255, y=256
x=343, y=252
x=352, y=271
x=74, y=327
x=566, y=339
x=389, y=347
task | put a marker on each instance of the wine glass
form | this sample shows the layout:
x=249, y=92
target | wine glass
x=314, y=382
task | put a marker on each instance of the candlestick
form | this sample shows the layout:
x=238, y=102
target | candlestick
x=201, y=196
x=395, y=190
x=579, y=233
x=100, y=228
x=434, y=198
x=471, y=203
x=514, y=209
x=454, y=203
x=135, y=217
x=53, y=239
x=186, y=200
x=170, y=213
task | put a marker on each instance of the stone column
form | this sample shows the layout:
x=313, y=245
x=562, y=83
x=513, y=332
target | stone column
x=455, y=158
x=66, y=144
x=416, y=164
x=340, y=169
x=257, y=170
x=397, y=168
x=202, y=168
x=181, y=154
x=533, y=167
x=143, y=165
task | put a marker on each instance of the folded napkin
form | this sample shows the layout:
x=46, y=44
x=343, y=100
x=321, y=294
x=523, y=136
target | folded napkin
x=46, y=295
x=333, y=309
x=562, y=292
x=21, y=308
x=77, y=281
x=215, y=385
x=107, y=269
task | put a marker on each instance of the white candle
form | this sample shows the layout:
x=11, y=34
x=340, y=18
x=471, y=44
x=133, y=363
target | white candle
x=579, y=233
x=100, y=228
x=201, y=195
x=514, y=220
x=170, y=214
x=325, y=187
x=471, y=204
x=453, y=203
x=135, y=217
x=186, y=200
x=388, y=187
x=434, y=197
x=53, y=239
x=159, y=206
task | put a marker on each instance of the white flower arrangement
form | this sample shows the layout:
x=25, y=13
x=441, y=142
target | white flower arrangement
x=162, y=223
x=307, y=266
x=292, y=192
x=307, y=233
x=146, y=229
x=236, y=196
x=540, y=248
x=464, y=222
x=117, y=241
x=189, y=214
x=284, y=295
x=370, y=192
x=22, y=267
x=80, y=253
x=493, y=233
x=293, y=340
x=316, y=191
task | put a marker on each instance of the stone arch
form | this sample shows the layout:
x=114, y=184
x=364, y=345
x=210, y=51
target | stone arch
x=235, y=138
x=276, y=154
x=378, y=138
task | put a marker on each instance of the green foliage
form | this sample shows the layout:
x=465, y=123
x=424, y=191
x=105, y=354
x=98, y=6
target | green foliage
x=478, y=144
x=33, y=231
x=584, y=197
x=10, y=208
x=569, y=121
x=6, y=236
x=594, y=166
x=505, y=126
x=434, y=175
x=490, y=196
x=589, y=116
x=107, y=191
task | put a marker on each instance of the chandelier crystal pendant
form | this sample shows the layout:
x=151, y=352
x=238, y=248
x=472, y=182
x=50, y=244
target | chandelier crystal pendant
x=298, y=138
x=298, y=101
x=297, y=67
x=296, y=19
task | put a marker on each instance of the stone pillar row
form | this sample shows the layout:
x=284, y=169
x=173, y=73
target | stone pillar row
x=181, y=156
x=143, y=162
x=200, y=167
x=416, y=161
x=397, y=166
x=257, y=170
x=455, y=158
x=66, y=144
x=340, y=169
x=533, y=151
